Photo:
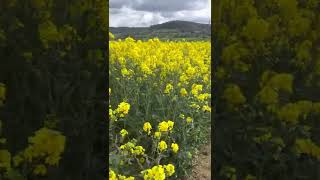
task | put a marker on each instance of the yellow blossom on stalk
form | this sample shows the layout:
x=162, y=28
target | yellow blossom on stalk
x=196, y=88
x=184, y=79
x=125, y=72
x=122, y=147
x=206, y=78
x=123, y=109
x=203, y=97
x=125, y=178
x=189, y=119
x=194, y=105
x=157, y=135
x=127, y=146
x=190, y=71
x=183, y=92
x=163, y=126
x=138, y=150
x=169, y=169
x=175, y=147
x=170, y=125
x=145, y=69
x=147, y=127
x=130, y=147
x=112, y=175
x=206, y=108
x=123, y=132
x=162, y=145
x=155, y=173
x=111, y=115
x=168, y=89
x=181, y=116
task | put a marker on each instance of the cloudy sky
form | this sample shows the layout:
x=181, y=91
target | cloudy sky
x=142, y=13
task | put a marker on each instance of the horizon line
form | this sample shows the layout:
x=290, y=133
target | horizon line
x=158, y=24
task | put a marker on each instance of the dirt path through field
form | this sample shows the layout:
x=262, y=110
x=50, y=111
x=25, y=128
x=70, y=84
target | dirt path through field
x=202, y=164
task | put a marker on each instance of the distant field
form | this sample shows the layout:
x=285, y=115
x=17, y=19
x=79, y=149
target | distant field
x=174, y=30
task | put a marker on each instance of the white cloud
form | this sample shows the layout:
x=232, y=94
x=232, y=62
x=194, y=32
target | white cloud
x=142, y=13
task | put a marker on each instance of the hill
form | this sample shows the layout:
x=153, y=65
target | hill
x=172, y=30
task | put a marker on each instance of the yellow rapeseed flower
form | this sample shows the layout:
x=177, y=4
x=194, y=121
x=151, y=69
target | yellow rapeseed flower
x=123, y=109
x=204, y=96
x=125, y=72
x=125, y=178
x=138, y=150
x=157, y=135
x=155, y=173
x=168, y=89
x=181, y=116
x=175, y=147
x=183, y=92
x=189, y=119
x=123, y=132
x=112, y=175
x=206, y=108
x=162, y=145
x=196, y=88
x=147, y=127
x=170, y=125
x=169, y=169
x=163, y=126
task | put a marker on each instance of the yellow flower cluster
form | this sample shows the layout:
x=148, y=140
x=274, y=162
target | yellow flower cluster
x=168, y=89
x=147, y=127
x=189, y=119
x=196, y=88
x=175, y=147
x=188, y=60
x=158, y=172
x=123, y=109
x=132, y=148
x=183, y=92
x=114, y=176
x=157, y=135
x=155, y=76
x=166, y=126
x=123, y=133
x=47, y=144
x=162, y=145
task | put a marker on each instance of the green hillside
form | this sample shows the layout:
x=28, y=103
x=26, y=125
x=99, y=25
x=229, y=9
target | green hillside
x=172, y=30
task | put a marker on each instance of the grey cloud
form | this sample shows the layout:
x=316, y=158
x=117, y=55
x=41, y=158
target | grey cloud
x=141, y=13
x=159, y=5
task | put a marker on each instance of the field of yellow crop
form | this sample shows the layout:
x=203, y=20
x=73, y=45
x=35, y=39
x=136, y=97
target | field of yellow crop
x=159, y=107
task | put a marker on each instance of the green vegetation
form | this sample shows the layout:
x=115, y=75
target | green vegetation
x=52, y=89
x=267, y=102
x=173, y=30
